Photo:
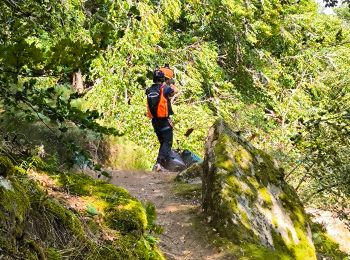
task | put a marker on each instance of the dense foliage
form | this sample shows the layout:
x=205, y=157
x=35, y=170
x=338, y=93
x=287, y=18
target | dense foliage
x=36, y=61
x=277, y=70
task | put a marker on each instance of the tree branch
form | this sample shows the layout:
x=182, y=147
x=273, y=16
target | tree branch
x=326, y=188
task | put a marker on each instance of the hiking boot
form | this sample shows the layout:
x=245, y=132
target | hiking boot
x=159, y=168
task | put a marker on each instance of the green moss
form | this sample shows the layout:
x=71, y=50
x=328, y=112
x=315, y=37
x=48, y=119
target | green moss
x=234, y=184
x=53, y=254
x=223, y=159
x=187, y=190
x=34, y=226
x=151, y=219
x=6, y=167
x=233, y=205
x=252, y=191
x=64, y=216
x=252, y=182
x=257, y=252
x=14, y=203
x=243, y=158
x=304, y=249
x=244, y=219
x=121, y=211
x=94, y=203
x=75, y=184
x=266, y=172
x=194, y=171
x=293, y=206
x=93, y=226
x=290, y=235
x=83, y=185
x=141, y=249
x=229, y=157
x=278, y=242
x=230, y=192
x=127, y=218
x=239, y=170
x=275, y=222
x=14, y=207
x=36, y=248
x=226, y=163
x=325, y=246
x=236, y=187
x=233, y=222
x=240, y=248
x=266, y=197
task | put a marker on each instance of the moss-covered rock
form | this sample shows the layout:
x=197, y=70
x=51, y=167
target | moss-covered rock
x=193, y=174
x=127, y=218
x=246, y=199
x=120, y=211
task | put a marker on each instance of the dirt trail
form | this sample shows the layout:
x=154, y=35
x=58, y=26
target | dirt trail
x=180, y=240
x=336, y=228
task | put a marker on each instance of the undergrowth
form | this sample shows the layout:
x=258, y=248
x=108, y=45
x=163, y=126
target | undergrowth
x=36, y=225
x=74, y=147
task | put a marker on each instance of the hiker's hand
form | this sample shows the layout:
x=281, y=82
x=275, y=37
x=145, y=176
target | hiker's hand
x=171, y=122
x=171, y=82
x=174, y=88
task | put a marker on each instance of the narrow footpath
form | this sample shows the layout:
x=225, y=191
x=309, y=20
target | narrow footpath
x=176, y=214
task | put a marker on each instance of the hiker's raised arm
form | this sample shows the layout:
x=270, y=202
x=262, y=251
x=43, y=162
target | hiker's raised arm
x=171, y=83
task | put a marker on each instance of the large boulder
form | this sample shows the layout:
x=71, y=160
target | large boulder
x=247, y=200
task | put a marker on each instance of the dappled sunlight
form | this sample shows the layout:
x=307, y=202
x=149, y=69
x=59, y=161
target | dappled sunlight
x=174, y=208
x=260, y=90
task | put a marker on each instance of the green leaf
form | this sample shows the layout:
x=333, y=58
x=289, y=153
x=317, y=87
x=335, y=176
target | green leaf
x=91, y=210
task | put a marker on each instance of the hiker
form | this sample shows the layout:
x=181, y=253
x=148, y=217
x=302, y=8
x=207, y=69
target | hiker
x=159, y=110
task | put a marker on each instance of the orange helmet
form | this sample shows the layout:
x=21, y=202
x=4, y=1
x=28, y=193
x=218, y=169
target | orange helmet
x=168, y=73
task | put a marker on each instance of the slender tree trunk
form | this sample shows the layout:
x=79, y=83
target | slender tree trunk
x=78, y=83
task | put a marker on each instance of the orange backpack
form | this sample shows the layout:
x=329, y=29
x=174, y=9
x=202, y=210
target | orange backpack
x=157, y=104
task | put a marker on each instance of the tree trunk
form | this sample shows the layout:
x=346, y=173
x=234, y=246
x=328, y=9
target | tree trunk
x=78, y=83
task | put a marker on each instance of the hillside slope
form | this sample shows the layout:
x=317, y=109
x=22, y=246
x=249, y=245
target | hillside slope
x=70, y=216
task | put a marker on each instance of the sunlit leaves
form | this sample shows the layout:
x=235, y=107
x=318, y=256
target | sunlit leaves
x=278, y=70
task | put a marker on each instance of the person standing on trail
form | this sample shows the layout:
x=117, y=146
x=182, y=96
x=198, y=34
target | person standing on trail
x=159, y=110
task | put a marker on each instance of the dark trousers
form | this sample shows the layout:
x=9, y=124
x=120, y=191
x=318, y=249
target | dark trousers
x=165, y=139
x=164, y=133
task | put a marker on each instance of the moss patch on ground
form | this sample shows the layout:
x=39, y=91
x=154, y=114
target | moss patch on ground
x=326, y=247
x=187, y=190
x=34, y=225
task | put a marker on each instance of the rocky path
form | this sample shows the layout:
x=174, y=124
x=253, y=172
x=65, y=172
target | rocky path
x=336, y=228
x=176, y=214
